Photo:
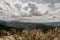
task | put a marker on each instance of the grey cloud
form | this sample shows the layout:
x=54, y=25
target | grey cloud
x=35, y=13
x=1, y=8
x=25, y=8
x=50, y=1
x=1, y=12
x=33, y=10
x=7, y=4
x=54, y=17
x=32, y=6
x=23, y=14
x=47, y=12
x=40, y=1
x=18, y=6
x=37, y=1
x=14, y=16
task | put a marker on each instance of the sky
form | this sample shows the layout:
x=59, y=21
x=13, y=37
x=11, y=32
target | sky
x=30, y=10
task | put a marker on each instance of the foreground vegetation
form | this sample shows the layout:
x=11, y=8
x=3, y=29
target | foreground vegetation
x=33, y=34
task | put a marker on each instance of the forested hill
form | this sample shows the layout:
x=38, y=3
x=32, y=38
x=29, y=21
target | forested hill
x=24, y=25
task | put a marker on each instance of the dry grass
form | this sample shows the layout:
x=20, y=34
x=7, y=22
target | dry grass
x=34, y=34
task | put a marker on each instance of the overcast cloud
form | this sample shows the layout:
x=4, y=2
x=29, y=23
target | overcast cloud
x=30, y=10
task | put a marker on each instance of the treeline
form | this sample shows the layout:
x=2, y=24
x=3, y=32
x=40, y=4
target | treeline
x=22, y=26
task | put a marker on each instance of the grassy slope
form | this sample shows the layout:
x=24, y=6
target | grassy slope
x=34, y=34
x=29, y=31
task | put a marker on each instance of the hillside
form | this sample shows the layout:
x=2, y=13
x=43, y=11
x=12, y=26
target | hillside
x=11, y=33
x=15, y=30
x=27, y=25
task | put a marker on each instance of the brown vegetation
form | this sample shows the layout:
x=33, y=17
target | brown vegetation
x=34, y=34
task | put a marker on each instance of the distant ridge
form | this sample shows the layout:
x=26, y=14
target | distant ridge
x=17, y=23
x=27, y=25
x=53, y=24
x=3, y=22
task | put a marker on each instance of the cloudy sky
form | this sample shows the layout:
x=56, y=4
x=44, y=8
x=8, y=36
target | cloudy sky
x=30, y=10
